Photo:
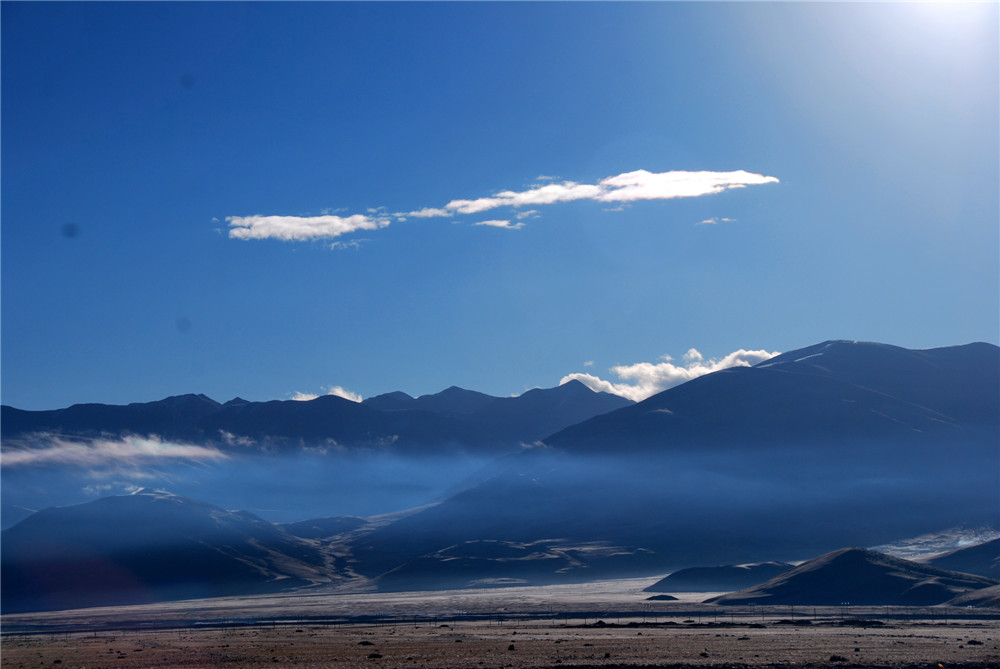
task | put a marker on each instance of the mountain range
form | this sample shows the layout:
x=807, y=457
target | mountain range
x=838, y=444
x=723, y=578
x=859, y=577
x=150, y=546
x=452, y=419
x=816, y=449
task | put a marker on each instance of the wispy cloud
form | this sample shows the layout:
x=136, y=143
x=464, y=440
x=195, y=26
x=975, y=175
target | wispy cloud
x=567, y=191
x=715, y=220
x=623, y=189
x=128, y=451
x=645, y=379
x=428, y=212
x=338, y=391
x=507, y=225
x=301, y=228
x=354, y=244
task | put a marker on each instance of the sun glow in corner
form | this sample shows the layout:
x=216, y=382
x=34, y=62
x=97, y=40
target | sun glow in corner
x=952, y=15
x=945, y=24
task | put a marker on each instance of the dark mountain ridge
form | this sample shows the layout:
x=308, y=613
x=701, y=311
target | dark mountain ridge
x=739, y=466
x=982, y=559
x=827, y=393
x=719, y=579
x=452, y=401
x=859, y=577
x=745, y=465
x=453, y=418
x=171, y=416
x=526, y=418
x=146, y=547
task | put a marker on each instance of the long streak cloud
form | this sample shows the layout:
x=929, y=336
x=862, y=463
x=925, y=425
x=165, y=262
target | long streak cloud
x=52, y=450
x=622, y=188
x=300, y=228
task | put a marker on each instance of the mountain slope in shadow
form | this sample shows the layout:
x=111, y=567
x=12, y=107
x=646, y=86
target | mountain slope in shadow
x=454, y=419
x=740, y=466
x=147, y=547
x=982, y=559
x=823, y=394
x=860, y=577
x=525, y=418
x=719, y=579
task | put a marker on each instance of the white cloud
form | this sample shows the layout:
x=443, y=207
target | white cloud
x=507, y=225
x=343, y=392
x=716, y=220
x=567, y=191
x=643, y=185
x=300, y=228
x=644, y=379
x=350, y=244
x=626, y=187
x=428, y=212
x=623, y=188
x=106, y=489
x=331, y=390
x=692, y=355
x=589, y=363
x=131, y=450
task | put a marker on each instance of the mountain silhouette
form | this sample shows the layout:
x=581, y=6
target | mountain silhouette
x=826, y=393
x=453, y=401
x=861, y=577
x=744, y=465
x=145, y=547
x=525, y=418
x=837, y=444
x=453, y=418
x=719, y=579
x=985, y=598
x=174, y=416
x=982, y=559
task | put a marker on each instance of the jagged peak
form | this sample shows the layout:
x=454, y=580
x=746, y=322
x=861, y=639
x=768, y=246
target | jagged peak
x=236, y=402
x=186, y=398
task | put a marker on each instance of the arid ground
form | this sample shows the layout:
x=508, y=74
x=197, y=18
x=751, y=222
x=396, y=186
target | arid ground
x=608, y=624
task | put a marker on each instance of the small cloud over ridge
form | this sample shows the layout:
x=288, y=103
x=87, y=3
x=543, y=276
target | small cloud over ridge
x=337, y=391
x=641, y=380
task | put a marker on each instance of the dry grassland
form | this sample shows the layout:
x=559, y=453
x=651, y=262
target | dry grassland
x=515, y=628
x=474, y=645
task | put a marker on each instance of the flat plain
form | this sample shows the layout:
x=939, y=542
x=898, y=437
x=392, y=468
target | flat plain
x=605, y=624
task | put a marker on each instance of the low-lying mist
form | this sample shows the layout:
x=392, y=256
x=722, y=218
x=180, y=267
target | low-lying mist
x=675, y=510
x=279, y=487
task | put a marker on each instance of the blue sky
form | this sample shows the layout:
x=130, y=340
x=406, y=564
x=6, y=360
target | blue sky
x=848, y=154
